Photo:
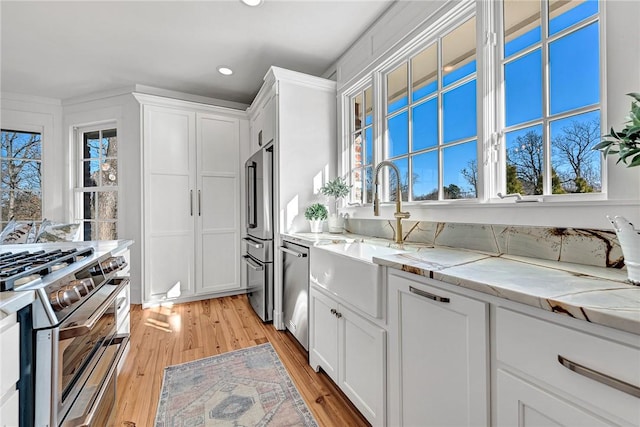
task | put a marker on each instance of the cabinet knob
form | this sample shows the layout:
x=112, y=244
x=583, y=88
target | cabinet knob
x=338, y=314
x=333, y=311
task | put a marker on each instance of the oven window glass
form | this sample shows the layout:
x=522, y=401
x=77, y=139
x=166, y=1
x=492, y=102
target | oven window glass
x=77, y=352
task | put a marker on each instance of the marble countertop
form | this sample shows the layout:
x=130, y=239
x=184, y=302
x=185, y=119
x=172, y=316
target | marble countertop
x=12, y=301
x=594, y=294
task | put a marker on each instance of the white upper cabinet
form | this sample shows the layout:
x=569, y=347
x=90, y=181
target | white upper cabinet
x=191, y=179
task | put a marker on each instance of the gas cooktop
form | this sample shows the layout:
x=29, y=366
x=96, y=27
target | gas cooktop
x=17, y=268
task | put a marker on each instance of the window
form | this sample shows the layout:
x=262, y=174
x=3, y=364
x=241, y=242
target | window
x=430, y=120
x=21, y=189
x=551, y=104
x=536, y=75
x=97, y=188
x=361, y=145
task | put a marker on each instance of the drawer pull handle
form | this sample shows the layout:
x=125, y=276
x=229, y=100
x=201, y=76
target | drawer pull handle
x=428, y=295
x=600, y=377
x=294, y=253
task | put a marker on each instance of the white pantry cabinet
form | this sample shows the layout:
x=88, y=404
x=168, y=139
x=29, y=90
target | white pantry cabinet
x=191, y=181
x=351, y=350
x=438, y=370
x=552, y=375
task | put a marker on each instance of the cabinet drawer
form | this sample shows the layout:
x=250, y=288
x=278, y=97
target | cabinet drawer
x=533, y=346
x=9, y=410
x=10, y=366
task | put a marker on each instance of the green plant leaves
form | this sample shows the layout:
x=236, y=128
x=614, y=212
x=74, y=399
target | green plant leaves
x=625, y=142
x=316, y=211
x=337, y=188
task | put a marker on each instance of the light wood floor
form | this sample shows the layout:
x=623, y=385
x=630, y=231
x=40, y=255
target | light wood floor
x=163, y=336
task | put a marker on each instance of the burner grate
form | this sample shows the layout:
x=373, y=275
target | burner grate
x=15, y=266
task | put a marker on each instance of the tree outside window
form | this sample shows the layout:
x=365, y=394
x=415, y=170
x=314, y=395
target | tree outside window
x=21, y=188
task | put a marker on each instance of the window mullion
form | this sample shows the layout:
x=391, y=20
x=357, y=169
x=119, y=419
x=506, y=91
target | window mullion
x=544, y=35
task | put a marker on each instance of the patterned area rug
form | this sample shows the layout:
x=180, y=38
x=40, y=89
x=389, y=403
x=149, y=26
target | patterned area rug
x=247, y=387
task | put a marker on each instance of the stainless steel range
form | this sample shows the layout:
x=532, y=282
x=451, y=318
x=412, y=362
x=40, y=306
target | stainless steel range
x=70, y=348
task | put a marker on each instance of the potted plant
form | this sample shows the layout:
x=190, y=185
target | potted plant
x=337, y=188
x=626, y=144
x=316, y=214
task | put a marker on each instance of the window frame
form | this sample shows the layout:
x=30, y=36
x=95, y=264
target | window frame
x=78, y=174
x=499, y=183
x=489, y=76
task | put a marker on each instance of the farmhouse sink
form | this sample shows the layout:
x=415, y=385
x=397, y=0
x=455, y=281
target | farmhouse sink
x=348, y=271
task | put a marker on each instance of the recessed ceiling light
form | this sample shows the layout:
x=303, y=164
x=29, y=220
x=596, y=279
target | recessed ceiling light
x=252, y=3
x=225, y=70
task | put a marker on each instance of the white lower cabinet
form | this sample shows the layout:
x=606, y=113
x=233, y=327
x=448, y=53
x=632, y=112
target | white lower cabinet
x=351, y=350
x=549, y=374
x=438, y=371
x=522, y=404
x=9, y=370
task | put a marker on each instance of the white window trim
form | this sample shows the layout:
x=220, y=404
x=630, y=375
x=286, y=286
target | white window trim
x=77, y=171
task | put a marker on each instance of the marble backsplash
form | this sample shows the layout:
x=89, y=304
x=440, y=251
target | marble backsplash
x=576, y=245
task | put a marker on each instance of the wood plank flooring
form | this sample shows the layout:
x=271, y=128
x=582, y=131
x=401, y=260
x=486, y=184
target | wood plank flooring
x=163, y=336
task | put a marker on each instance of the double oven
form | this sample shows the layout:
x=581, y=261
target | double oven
x=70, y=346
x=258, y=257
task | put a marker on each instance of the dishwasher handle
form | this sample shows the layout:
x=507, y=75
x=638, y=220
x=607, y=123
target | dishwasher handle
x=291, y=252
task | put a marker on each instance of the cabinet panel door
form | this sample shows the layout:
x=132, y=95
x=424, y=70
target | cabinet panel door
x=362, y=367
x=169, y=179
x=524, y=405
x=323, y=333
x=218, y=204
x=438, y=357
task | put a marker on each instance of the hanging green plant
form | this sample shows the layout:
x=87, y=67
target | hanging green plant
x=626, y=142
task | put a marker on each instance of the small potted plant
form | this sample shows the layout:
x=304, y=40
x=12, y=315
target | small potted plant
x=316, y=214
x=338, y=189
x=626, y=144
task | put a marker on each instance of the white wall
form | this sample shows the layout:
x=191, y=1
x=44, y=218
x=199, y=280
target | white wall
x=44, y=115
x=406, y=20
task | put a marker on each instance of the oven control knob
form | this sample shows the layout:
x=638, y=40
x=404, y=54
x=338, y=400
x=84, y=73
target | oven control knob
x=83, y=286
x=64, y=297
x=113, y=264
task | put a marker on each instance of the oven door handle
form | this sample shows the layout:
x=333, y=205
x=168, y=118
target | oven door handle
x=85, y=328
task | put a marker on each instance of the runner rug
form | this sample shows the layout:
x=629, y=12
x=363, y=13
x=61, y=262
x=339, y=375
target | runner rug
x=247, y=387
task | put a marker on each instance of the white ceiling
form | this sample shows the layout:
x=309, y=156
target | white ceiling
x=63, y=50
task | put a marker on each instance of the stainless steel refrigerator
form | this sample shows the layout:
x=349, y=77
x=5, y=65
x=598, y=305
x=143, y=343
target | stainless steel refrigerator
x=258, y=258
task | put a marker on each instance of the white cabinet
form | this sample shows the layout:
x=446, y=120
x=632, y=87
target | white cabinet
x=191, y=226
x=521, y=404
x=263, y=122
x=351, y=350
x=546, y=371
x=438, y=369
x=9, y=370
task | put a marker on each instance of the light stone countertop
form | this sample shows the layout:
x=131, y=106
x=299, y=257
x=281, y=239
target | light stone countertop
x=594, y=294
x=12, y=301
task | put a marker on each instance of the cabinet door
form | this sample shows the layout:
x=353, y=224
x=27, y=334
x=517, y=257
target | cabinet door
x=323, y=334
x=269, y=120
x=169, y=180
x=522, y=404
x=256, y=132
x=362, y=364
x=438, y=363
x=217, y=204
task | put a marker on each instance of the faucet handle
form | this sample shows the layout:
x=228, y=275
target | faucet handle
x=403, y=215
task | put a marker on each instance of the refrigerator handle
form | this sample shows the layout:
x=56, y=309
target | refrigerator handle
x=251, y=196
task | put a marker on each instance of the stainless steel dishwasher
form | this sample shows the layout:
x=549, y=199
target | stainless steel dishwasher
x=295, y=298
